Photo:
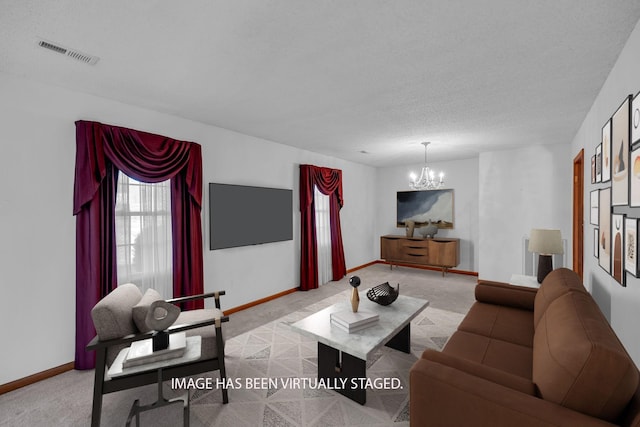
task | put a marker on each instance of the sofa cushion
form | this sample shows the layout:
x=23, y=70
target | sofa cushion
x=209, y=348
x=500, y=322
x=578, y=362
x=140, y=310
x=112, y=314
x=556, y=284
x=509, y=357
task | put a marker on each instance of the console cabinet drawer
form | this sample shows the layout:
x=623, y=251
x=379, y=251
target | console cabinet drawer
x=438, y=252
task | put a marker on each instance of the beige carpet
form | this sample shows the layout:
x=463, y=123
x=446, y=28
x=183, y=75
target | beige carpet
x=267, y=348
x=269, y=351
x=275, y=351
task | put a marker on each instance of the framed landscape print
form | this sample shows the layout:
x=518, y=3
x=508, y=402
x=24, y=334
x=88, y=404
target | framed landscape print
x=634, y=179
x=596, y=246
x=631, y=245
x=620, y=155
x=606, y=152
x=593, y=217
x=617, y=246
x=604, y=220
x=425, y=205
x=599, y=163
x=635, y=119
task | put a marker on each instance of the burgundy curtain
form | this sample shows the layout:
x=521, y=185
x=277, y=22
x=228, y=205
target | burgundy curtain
x=329, y=182
x=102, y=151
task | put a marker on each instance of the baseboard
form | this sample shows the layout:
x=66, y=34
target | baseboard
x=351, y=270
x=31, y=379
x=428, y=267
x=258, y=302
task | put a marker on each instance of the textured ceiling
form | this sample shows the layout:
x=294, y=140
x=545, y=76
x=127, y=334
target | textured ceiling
x=338, y=77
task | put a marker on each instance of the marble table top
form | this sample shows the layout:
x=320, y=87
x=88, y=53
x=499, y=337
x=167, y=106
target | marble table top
x=362, y=343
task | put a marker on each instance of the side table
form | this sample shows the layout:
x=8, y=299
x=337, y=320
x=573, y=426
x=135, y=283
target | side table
x=193, y=352
x=522, y=280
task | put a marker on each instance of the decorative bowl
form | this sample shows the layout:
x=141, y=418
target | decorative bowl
x=383, y=294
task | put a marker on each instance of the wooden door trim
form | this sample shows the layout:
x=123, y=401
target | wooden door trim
x=578, y=213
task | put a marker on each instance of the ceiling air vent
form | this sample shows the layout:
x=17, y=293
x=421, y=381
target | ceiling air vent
x=71, y=53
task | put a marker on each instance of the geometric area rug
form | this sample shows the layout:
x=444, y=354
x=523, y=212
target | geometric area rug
x=272, y=353
x=262, y=363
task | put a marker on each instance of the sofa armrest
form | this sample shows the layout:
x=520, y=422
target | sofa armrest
x=442, y=395
x=488, y=373
x=505, y=294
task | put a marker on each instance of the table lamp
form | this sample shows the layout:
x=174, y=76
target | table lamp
x=545, y=243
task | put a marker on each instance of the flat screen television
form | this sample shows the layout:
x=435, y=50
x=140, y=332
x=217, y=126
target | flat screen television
x=241, y=215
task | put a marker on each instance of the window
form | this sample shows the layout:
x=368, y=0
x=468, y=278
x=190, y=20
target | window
x=143, y=235
x=323, y=236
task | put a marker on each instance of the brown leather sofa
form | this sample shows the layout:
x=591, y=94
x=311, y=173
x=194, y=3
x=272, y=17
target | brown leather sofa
x=528, y=357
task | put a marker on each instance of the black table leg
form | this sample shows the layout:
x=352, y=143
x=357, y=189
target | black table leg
x=335, y=364
x=402, y=340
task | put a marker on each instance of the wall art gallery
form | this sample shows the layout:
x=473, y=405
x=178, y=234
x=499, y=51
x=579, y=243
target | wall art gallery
x=615, y=207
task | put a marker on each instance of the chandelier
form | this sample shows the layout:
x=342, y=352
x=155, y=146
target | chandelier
x=427, y=179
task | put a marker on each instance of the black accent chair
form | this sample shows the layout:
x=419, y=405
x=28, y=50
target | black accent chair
x=116, y=319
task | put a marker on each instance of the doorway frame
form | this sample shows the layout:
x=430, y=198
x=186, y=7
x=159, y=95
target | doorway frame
x=578, y=213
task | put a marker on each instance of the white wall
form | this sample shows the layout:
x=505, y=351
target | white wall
x=37, y=229
x=620, y=304
x=461, y=176
x=521, y=189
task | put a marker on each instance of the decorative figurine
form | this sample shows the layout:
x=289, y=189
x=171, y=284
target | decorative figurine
x=430, y=230
x=355, y=298
x=160, y=316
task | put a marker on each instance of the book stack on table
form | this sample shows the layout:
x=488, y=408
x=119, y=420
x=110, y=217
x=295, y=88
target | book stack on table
x=350, y=322
x=141, y=352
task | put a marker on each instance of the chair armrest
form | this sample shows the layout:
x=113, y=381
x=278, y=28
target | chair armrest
x=215, y=295
x=95, y=343
x=443, y=395
x=500, y=293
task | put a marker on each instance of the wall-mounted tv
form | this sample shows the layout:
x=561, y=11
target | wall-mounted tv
x=424, y=206
x=241, y=215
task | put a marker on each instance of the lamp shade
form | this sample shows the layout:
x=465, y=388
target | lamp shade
x=546, y=242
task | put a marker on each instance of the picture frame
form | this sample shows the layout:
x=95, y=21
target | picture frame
x=422, y=206
x=620, y=154
x=593, y=169
x=634, y=178
x=617, y=248
x=604, y=220
x=596, y=246
x=631, y=246
x=594, y=211
x=635, y=119
x=599, y=163
x=606, y=152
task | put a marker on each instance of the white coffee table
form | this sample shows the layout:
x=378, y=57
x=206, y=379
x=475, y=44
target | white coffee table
x=343, y=355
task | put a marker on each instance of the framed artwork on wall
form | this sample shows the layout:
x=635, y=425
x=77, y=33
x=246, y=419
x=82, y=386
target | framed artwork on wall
x=631, y=245
x=595, y=199
x=596, y=246
x=593, y=169
x=617, y=247
x=634, y=179
x=620, y=155
x=635, y=120
x=425, y=205
x=599, y=163
x=606, y=152
x=604, y=220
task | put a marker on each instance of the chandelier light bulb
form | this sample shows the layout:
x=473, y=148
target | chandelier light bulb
x=427, y=178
